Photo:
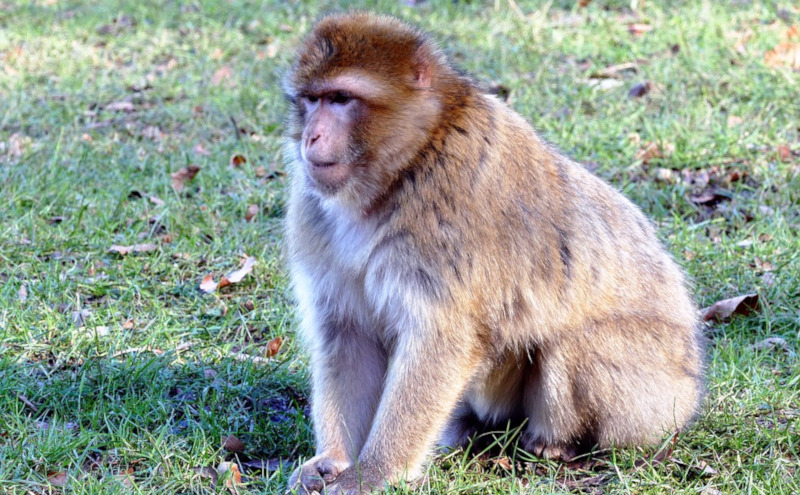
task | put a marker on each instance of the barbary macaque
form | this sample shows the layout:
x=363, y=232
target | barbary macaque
x=455, y=273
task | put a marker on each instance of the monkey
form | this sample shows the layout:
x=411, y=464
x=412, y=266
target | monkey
x=454, y=272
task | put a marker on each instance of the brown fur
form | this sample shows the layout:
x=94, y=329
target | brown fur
x=465, y=269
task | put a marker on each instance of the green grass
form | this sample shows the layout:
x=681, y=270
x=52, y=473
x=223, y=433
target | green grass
x=149, y=383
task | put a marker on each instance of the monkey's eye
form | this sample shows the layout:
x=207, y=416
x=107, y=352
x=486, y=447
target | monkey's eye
x=311, y=98
x=340, y=98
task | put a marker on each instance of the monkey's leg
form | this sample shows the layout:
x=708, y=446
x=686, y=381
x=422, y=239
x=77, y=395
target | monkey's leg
x=347, y=373
x=617, y=382
x=427, y=375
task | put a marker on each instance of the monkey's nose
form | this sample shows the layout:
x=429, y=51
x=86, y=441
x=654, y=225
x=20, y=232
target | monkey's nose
x=314, y=139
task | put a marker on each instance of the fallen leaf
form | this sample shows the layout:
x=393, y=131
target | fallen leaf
x=100, y=331
x=223, y=74
x=136, y=248
x=722, y=311
x=772, y=344
x=249, y=306
x=762, y=265
x=120, y=106
x=201, y=150
x=128, y=324
x=734, y=120
x=252, y=211
x=152, y=132
x=784, y=152
x=648, y=152
x=237, y=275
x=708, y=196
x=22, y=293
x=503, y=462
x=232, y=444
x=615, y=70
x=182, y=176
x=125, y=477
x=640, y=89
x=705, y=469
x=238, y=160
x=208, y=472
x=787, y=52
x=79, y=316
x=208, y=285
x=638, y=29
x=58, y=479
x=274, y=346
x=235, y=477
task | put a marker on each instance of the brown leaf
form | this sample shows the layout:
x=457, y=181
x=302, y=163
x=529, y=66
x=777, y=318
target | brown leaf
x=640, y=89
x=136, y=248
x=22, y=294
x=705, y=469
x=252, y=211
x=707, y=197
x=784, y=152
x=201, y=150
x=125, y=478
x=503, y=462
x=58, y=479
x=734, y=120
x=638, y=29
x=207, y=472
x=236, y=276
x=208, y=285
x=648, y=152
x=762, y=265
x=722, y=311
x=232, y=444
x=182, y=176
x=249, y=305
x=128, y=324
x=787, y=52
x=223, y=74
x=274, y=346
x=238, y=160
x=235, y=475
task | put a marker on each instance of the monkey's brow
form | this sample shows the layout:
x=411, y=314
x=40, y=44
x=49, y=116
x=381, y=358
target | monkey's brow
x=352, y=83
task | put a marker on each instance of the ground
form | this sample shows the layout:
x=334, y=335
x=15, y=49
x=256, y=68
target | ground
x=118, y=373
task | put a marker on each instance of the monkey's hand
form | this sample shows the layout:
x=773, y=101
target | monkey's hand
x=315, y=474
x=355, y=481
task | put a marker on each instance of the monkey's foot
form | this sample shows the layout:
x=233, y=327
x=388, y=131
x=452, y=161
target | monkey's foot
x=354, y=481
x=545, y=450
x=315, y=474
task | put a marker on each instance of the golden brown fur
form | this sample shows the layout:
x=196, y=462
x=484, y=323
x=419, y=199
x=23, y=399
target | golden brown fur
x=464, y=268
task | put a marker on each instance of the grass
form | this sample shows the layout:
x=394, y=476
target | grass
x=118, y=375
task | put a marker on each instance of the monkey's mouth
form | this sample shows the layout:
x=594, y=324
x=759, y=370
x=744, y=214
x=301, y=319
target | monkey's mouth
x=328, y=175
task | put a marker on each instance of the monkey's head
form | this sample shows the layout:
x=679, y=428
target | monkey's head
x=365, y=96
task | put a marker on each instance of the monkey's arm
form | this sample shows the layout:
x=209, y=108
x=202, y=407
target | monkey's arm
x=347, y=372
x=429, y=370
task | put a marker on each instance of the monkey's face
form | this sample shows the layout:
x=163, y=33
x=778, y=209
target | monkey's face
x=328, y=144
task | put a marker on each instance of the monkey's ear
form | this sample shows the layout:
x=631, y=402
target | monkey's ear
x=424, y=65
